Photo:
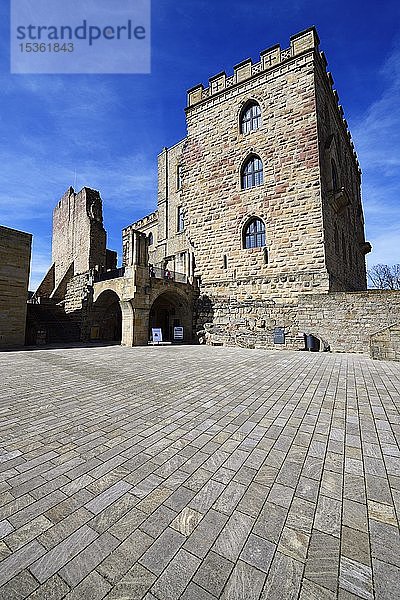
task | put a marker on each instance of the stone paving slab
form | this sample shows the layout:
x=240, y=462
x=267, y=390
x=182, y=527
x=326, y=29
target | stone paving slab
x=197, y=473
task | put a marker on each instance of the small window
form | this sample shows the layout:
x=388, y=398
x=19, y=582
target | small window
x=335, y=176
x=179, y=177
x=252, y=172
x=344, y=248
x=250, y=118
x=254, y=234
x=151, y=239
x=336, y=236
x=225, y=261
x=180, y=220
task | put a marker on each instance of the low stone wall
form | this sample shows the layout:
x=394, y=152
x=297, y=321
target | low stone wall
x=344, y=321
x=385, y=344
x=247, y=323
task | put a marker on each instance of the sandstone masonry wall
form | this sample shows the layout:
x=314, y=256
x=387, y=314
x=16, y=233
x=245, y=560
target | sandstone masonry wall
x=15, y=255
x=385, y=344
x=347, y=320
x=78, y=300
x=289, y=200
x=247, y=323
x=344, y=237
x=344, y=321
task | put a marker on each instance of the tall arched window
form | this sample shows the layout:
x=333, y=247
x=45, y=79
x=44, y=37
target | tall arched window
x=250, y=117
x=151, y=239
x=252, y=172
x=335, y=176
x=254, y=234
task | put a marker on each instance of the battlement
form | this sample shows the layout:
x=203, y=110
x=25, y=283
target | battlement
x=274, y=56
x=270, y=58
x=147, y=220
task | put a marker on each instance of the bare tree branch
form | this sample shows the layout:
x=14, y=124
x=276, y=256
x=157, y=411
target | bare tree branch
x=384, y=277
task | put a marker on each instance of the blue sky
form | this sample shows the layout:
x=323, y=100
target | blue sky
x=109, y=129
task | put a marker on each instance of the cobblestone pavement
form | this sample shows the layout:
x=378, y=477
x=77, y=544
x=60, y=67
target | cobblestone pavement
x=198, y=473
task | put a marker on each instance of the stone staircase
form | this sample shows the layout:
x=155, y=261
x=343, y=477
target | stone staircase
x=385, y=344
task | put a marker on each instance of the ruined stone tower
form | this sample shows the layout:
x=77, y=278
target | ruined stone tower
x=79, y=238
x=78, y=242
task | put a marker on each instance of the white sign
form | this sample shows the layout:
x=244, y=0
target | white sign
x=156, y=334
x=178, y=333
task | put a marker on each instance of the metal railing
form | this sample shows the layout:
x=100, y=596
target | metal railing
x=167, y=275
x=157, y=272
x=112, y=274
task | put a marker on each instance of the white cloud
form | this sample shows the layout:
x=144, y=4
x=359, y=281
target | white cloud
x=377, y=136
x=386, y=247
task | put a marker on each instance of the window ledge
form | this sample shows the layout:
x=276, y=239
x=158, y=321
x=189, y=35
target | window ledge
x=255, y=187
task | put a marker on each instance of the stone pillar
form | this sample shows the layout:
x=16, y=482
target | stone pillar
x=127, y=323
x=141, y=332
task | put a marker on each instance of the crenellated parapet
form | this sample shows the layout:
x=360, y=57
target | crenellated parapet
x=336, y=101
x=145, y=221
x=270, y=58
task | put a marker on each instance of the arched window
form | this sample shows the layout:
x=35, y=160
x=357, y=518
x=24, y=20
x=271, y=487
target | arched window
x=335, y=176
x=250, y=117
x=254, y=234
x=252, y=172
x=151, y=239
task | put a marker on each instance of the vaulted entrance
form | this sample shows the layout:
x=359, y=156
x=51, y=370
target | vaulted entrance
x=168, y=311
x=107, y=324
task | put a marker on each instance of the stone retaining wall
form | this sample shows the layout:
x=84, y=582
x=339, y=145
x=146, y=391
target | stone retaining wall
x=385, y=344
x=344, y=321
x=347, y=320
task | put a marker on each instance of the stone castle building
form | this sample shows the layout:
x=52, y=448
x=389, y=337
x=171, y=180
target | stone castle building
x=258, y=236
x=262, y=198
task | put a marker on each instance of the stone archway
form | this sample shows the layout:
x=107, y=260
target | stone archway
x=171, y=310
x=107, y=321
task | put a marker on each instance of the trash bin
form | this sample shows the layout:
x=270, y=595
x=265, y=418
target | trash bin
x=312, y=343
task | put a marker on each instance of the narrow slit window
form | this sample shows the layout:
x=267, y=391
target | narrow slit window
x=180, y=220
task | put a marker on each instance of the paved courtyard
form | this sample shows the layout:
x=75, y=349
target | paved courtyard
x=198, y=473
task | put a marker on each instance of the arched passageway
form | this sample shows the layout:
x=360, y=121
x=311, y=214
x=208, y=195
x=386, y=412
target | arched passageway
x=107, y=324
x=170, y=310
